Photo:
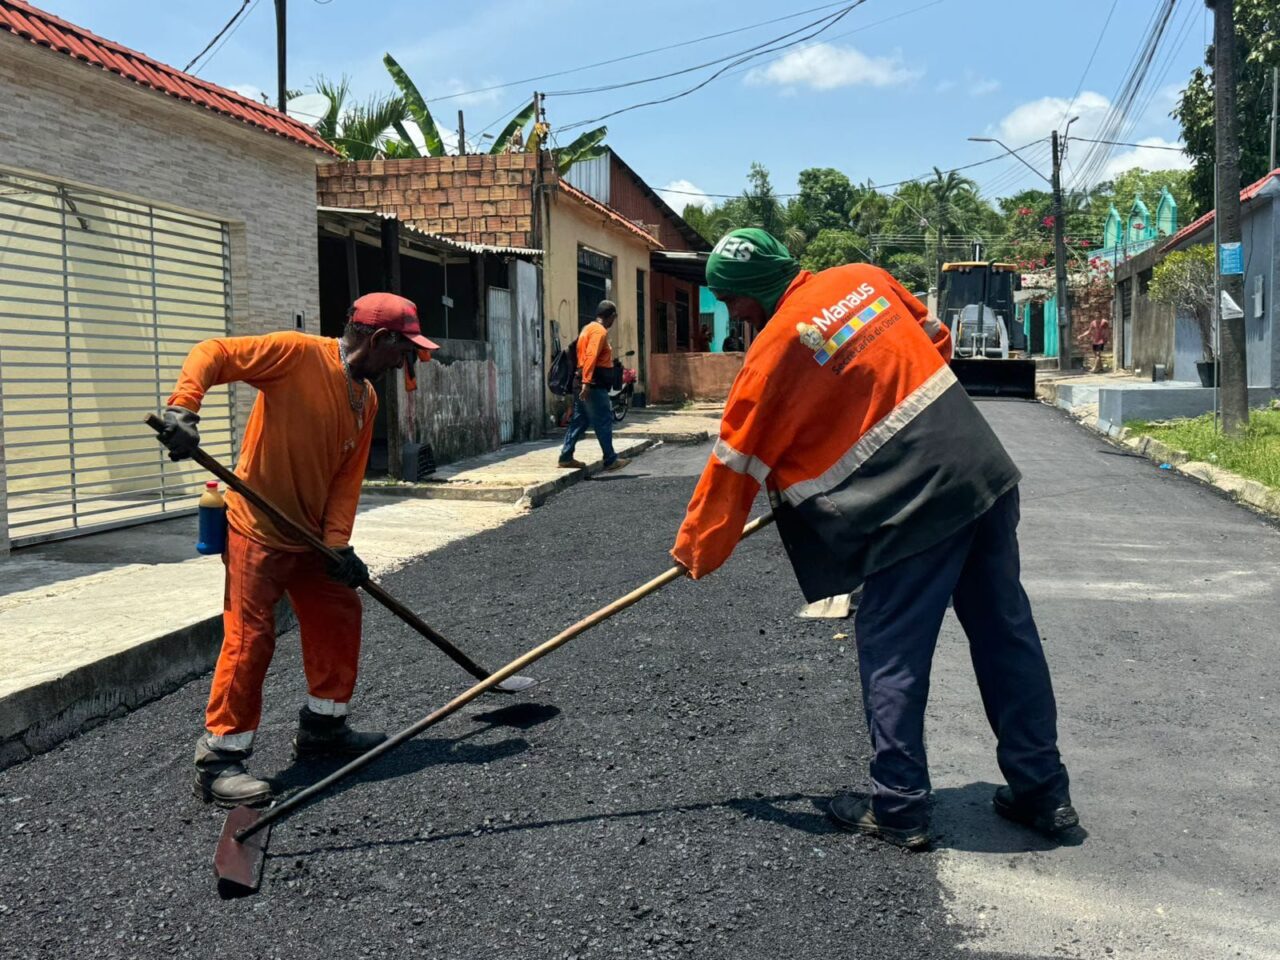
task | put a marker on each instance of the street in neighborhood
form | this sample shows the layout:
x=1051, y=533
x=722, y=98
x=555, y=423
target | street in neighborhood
x=570, y=480
x=661, y=793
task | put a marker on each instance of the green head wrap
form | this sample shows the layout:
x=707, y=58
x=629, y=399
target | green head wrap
x=751, y=263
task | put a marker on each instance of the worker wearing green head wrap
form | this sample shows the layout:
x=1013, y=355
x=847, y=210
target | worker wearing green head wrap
x=750, y=270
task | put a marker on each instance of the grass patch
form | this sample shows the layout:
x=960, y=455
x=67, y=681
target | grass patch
x=1256, y=454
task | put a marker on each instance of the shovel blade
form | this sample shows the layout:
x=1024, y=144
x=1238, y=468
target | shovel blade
x=238, y=863
x=516, y=684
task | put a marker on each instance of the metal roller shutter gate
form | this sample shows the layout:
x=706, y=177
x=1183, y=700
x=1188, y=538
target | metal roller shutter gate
x=100, y=301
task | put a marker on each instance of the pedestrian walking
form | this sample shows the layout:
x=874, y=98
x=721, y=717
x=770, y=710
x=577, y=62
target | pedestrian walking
x=305, y=448
x=1097, y=335
x=881, y=470
x=594, y=380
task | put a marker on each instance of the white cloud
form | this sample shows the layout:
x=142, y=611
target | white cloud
x=1148, y=156
x=944, y=86
x=1039, y=118
x=981, y=86
x=681, y=193
x=825, y=66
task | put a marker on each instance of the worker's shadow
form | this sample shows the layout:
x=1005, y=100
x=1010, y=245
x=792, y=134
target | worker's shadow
x=421, y=753
x=963, y=819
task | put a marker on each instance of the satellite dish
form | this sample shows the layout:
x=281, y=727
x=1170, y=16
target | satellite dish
x=310, y=108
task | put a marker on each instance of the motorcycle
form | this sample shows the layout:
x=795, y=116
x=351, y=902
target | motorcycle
x=624, y=388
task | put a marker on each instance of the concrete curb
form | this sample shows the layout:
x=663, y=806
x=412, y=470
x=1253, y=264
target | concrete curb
x=531, y=496
x=1251, y=493
x=38, y=718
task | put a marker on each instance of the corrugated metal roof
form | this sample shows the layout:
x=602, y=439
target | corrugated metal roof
x=464, y=246
x=1195, y=226
x=45, y=30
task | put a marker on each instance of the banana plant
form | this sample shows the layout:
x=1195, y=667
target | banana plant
x=416, y=104
x=586, y=147
x=518, y=123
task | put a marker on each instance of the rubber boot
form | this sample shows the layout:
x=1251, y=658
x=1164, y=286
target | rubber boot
x=222, y=779
x=323, y=736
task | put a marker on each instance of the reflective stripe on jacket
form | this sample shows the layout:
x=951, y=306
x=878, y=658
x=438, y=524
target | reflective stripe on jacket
x=870, y=448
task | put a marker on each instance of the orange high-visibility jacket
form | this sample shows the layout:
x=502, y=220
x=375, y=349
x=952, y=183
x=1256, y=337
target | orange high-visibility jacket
x=850, y=415
x=304, y=448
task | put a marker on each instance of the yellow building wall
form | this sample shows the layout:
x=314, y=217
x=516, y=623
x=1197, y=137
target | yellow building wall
x=570, y=224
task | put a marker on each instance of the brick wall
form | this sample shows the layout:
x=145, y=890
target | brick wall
x=482, y=198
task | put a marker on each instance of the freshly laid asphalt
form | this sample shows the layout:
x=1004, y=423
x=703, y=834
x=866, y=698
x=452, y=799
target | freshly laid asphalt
x=663, y=792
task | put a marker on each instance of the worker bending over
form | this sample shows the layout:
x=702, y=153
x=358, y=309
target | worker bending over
x=882, y=471
x=305, y=449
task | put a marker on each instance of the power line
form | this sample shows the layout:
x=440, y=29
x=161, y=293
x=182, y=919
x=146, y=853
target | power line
x=1125, y=143
x=253, y=6
x=1080, y=86
x=227, y=26
x=826, y=23
x=635, y=56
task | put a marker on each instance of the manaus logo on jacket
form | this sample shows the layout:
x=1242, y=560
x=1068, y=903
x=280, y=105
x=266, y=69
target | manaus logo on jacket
x=817, y=334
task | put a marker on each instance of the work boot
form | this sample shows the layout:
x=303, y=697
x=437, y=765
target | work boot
x=617, y=464
x=1050, y=818
x=324, y=736
x=854, y=814
x=570, y=464
x=222, y=779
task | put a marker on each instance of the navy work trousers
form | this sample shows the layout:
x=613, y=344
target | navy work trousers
x=897, y=629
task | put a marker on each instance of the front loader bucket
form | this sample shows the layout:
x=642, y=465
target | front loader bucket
x=996, y=378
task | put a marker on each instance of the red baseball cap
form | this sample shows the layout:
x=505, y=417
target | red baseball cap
x=391, y=312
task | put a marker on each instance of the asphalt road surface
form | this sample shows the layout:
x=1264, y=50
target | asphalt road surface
x=662, y=793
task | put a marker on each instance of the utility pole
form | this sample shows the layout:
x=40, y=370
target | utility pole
x=462, y=136
x=1232, y=382
x=1275, y=109
x=281, y=86
x=1065, y=339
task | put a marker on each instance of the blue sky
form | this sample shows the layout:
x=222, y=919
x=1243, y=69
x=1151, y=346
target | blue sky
x=891, y=90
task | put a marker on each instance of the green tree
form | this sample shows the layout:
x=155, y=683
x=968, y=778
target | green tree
x=1185, y=278
x=1257, y=51
x=912, y=270
x=952, y=203
x=833, y=248
x=826, y=196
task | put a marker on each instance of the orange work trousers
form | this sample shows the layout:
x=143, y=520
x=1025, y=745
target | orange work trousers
x=328, y=618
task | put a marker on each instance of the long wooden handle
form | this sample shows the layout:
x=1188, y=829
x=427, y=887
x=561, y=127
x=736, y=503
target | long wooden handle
x=462, y=699
x=284, y=522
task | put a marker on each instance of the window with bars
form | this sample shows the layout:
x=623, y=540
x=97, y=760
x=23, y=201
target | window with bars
x=100, y=300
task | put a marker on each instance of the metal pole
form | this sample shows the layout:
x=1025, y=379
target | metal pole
x=462, y=136
x=1060, y=261
x=280, y=55
x=1216, y=312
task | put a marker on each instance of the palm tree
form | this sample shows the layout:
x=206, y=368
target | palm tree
x=361, y=131
x=947, y=193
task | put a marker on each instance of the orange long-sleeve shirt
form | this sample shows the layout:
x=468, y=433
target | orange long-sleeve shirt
x=593, y=350
x=304, y=447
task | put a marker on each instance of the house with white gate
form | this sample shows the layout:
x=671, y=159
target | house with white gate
x=141, y=210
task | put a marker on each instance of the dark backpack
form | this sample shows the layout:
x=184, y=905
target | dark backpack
x=564, y=364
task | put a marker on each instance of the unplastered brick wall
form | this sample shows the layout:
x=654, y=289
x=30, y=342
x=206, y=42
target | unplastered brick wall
x=482, y=198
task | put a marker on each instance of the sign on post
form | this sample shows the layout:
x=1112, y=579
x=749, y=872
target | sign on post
x=1230, y=259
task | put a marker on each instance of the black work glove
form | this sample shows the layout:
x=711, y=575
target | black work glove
x=348, y=569
x=180, y=434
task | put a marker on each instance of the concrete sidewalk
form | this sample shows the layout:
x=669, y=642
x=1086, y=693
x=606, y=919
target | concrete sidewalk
x=93, y=627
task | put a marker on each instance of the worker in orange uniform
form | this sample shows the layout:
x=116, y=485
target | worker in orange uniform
x=305, y=449
x=595, y=377
x=881, y=471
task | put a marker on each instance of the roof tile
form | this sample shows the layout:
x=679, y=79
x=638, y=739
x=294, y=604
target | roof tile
x=35, y=25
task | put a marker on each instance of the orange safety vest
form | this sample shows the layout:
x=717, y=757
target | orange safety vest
x=850, y=415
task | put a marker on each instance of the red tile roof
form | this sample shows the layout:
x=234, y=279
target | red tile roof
x=46, y=30
x=608, y=212
x=1195, y=226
